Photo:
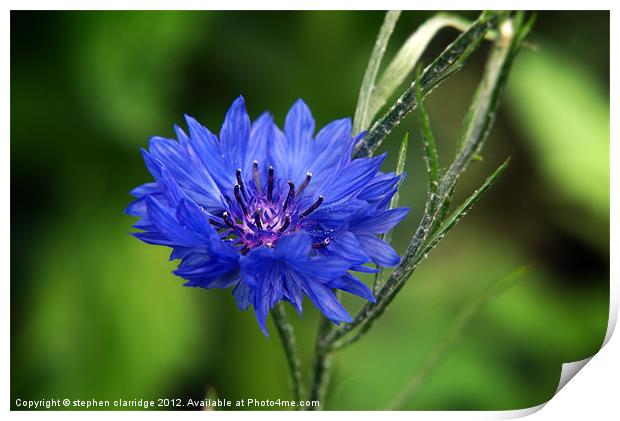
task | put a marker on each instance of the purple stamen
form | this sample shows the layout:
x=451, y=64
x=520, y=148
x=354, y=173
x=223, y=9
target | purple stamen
x=291, y=193
x=287, y=222
x=270, y=184
x=240, y=182
x=304, y=184
x=312, y=208
x=257, y=220
x=322, y=244
x=239, y=199
x=263, y=221
x=257, y=176
x=228, y=222
x=216, y=223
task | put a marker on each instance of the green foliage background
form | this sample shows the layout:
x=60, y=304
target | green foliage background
x=97, y=314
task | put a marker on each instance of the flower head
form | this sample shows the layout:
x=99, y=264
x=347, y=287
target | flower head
x=274, y=215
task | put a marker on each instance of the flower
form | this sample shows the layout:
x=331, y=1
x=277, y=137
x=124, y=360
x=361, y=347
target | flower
x=274, y=215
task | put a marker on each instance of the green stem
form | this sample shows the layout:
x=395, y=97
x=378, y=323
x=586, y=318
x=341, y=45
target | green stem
x=321, y=364
x=450, y=61
x=476, y=130
x=287, y=335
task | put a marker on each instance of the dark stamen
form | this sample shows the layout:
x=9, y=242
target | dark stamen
x=216, y=223
x=257, y=176
x=239, y=199
x=240, y=182
x=228, y=222
x=287, y=221
x=291, y=193
x=312, y=208
x=304, y=184
x=270, y=184
x=257, y=220
x=322, y=244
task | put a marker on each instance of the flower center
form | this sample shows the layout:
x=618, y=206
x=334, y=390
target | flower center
x=259, y=215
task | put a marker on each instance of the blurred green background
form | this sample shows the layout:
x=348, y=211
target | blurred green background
x=97, y=314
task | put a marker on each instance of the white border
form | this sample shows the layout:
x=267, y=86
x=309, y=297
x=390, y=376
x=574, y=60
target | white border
x=593, y=393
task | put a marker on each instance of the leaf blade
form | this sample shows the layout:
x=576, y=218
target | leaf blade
x=408, y=56
x=462, y=210
x=400, y=168
x=430, y=148
x=448, y=62
x=362, y=116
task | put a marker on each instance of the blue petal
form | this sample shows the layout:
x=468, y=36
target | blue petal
x=268, y=292
x=346, y=245
x=196, y=220
x=329, y=152
x=365, y=269
x=167, y=224
x=180, y=252
x=299, y=128
x=336, y=216
x=243, y=295
x=350, y=283
x=380, y=222
x=295, y=246
x=144, y=189
x=208, y=149
x=235, y=134
x=293, y=292
x=325, y=300
x=137, y=207
x=261, y=136
x=379, y=251
x=324, y=268
x=292, y=151
x=380, y=188
x=352, y=178
x=204, y=271
x=153, y=237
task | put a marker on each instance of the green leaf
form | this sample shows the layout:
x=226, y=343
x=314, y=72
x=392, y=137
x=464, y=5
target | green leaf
x=408, y=56
x=448, y=62
x=481, y=113
x=462, y=210
x=363, y=115
x=400, y=167
x=476, y=131
x=430, y=148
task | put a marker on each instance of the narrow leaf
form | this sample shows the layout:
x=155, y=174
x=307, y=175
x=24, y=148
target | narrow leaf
x=448, y=62
x=362, y=112
x=481, y=113
x=462, y=210
x=495, y=76
x=408, y=56
x=400, y=167
x=430, y=148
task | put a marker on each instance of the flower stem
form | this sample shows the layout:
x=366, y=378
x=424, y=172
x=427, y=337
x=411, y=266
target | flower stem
x=322, y=362
x=287, y=335
x=476, y=129
x=450, y=61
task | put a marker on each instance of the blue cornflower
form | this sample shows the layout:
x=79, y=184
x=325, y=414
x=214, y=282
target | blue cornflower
x=275, y=215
